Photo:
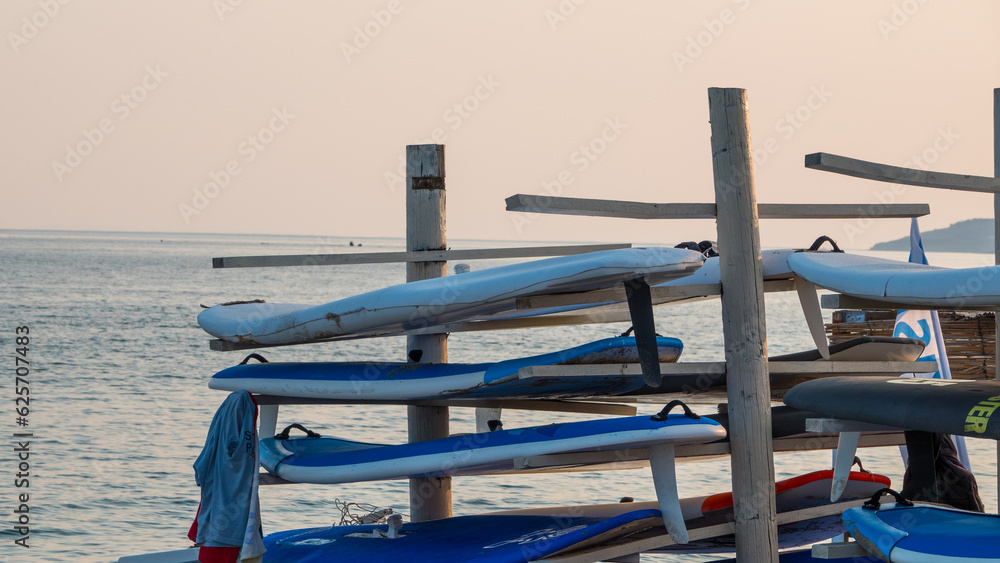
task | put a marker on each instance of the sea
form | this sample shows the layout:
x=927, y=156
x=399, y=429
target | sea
x=100, y=327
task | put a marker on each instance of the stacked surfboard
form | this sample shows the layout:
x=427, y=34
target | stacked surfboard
x=431, y=305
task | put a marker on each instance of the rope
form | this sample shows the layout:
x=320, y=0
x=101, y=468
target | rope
x=368, y=513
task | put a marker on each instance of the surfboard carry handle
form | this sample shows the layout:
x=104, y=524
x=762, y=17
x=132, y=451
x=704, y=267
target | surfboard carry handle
x=283, y=435
x=257, y=357
x=662, y=415
x=873, y=503
x=628, y=332
x=819, y=242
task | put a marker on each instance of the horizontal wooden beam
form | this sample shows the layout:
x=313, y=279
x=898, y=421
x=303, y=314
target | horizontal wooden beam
x=586, y=407
x=898, y=175
x=188, y=555
x=841, y=301
x=637, y=458
x=661, y=295
x=826, y=425
x=818, y=368
x=839, y=550
x=618, y=315
x=643, y=541
x=640, y=210
x=416, y=256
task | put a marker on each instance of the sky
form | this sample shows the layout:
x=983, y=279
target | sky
x=254, y=116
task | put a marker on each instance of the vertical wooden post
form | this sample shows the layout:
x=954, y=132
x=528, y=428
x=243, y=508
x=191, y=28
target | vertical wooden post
x=743, y=327
x=430, y=499
x=996, y=238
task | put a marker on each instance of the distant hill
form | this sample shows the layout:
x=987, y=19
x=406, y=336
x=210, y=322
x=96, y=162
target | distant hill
x=973, y=235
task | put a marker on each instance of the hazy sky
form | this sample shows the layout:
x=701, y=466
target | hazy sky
x=291, y=117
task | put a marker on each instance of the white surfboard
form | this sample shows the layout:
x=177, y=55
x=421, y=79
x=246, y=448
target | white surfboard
x=894, y=281
x=476, y=295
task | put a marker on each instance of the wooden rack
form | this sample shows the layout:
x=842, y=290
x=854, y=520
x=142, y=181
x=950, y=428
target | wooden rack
x=741, y=288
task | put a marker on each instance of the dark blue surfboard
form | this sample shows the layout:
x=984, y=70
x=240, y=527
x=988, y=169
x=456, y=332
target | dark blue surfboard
x=487, y=539
x=390, y=381
x=945, y=406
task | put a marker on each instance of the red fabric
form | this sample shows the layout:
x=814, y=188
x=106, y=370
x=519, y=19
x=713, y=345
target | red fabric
x=218, y=554
x=193, y=532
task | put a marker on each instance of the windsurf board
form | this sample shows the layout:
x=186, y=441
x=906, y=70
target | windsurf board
x=485, y=538
x=917, y=285
x=371, y=382
x=922, y=532
x=334, y=460
x=946, y=406
x=804, y=491
x=419, y=305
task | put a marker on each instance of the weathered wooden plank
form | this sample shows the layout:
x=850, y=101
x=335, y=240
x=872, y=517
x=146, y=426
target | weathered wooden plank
x=430, y=498
x=827, y=425
x=609, y=208
x=743, y=327
x=661, y=295
x=818, y=368
x=648, y=542
x=583, y=407
x=996, y=226
x=616, y=315
x=838, y=550
x=640, y=210
x=414, y=256
x=899, y=175
x=620, y=460
x=840, y=301
x=189, y=555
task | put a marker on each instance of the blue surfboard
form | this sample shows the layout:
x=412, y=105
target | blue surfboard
x=922, y=533
x=334, y=460
x=409, y=381
x=488, y=539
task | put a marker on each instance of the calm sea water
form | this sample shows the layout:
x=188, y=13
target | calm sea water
x=119, y=403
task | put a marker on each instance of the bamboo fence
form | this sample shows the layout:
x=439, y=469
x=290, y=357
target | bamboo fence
x=969, y=337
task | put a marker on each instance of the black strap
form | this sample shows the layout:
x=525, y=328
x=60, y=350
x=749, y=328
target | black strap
x=628, y=333
x=861, y=468
x=494, y=425
x=819, y=242
x=257, y=357
x=873, y=504
x=283, y=435
x=662, y=415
